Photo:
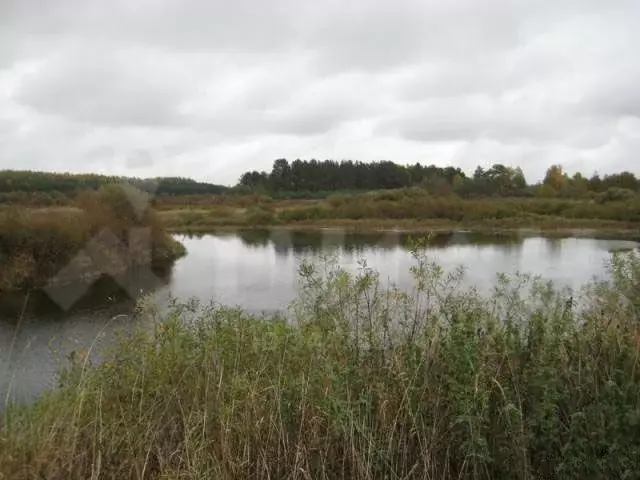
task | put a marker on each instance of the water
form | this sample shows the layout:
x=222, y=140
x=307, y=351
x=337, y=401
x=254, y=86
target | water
x=258, y=271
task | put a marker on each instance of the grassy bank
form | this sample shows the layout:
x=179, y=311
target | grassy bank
x=35, y=244
x=551, y=228
x=359, y=382
x=408, y=209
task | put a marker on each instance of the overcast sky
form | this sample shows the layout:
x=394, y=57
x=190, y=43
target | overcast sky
x=209, y=88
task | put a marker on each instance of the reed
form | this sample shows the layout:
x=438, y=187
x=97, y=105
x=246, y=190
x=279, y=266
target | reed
x=356, y=381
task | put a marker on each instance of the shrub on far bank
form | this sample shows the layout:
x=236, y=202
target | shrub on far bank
x=417, y=204
x=615, y=194
x=260, y=216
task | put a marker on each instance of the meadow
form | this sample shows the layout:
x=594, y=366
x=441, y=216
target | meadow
x=408, y=209
x=357, y=195
x=36, y=243
x=356, y=381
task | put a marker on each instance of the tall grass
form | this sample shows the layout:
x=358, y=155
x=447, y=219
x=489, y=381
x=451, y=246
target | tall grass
x=35, y=245
x=417, y=204
x=357, y=381
x=401, y=205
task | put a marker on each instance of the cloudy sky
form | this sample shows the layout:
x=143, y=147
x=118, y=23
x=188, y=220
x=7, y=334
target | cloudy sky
x=211, y=88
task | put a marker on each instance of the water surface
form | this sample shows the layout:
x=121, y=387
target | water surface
x=258, y=271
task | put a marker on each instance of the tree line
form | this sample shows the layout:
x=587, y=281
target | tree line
x=311, y=178
x=308, y=177
x=24, y=186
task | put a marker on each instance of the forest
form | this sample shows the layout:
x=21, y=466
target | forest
x=307, y=177
x=320, y=179
x=45, y=188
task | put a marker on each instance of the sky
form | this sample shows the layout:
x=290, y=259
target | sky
x=209, y=89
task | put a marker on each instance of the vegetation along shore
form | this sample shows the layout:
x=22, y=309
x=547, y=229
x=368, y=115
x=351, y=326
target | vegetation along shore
x=113, y=223
x=357, y=381
x=365, y=196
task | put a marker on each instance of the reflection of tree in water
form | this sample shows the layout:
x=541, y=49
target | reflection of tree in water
x=311, y=242
x=105, y=292
x=196, y=235
x=554, y=247
x=317, y=243
x=254, y=237
x=444, y=240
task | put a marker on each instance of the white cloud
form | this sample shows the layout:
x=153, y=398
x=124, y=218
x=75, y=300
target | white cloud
x=209, y=89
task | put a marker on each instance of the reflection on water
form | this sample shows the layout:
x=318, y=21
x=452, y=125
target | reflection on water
x=258, y=270
x=36, y=334
x=285, y=242
x=101, y=294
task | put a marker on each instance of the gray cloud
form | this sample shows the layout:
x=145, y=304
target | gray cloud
x=105, y=86
x=614, y=93
x=209, y=89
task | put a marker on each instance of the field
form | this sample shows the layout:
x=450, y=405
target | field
x=407, y=209
x=36, y=243
x=357, y=382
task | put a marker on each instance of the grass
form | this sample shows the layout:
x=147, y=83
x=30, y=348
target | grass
x=36, y=243
x=357, y=381
x=408, y=209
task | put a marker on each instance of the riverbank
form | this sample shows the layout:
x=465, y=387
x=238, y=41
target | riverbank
x=551, y=228
x=65, y=247
x=520, y=385
x=408, y=211
x=393, y=210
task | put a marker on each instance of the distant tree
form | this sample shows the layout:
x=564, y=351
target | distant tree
x=547, y=191
x=577, y=186
x=626, y=180
x=280, y=178
x=254, y=180
x=68, y=184
x=615, y=194
x=303, y=177
x=457, y=182
x=595, y=184
x=555, y=177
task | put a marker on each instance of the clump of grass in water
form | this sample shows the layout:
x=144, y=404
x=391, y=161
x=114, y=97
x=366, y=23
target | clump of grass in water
x=365, y=382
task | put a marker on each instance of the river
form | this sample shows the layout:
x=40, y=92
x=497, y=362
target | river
x=258, y=271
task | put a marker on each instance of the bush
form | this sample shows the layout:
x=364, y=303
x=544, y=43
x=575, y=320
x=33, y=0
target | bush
x=358, y=382
x=50, y=238
x=615, y=194
x=336, y=201
x=301, y=214
x=260, y=216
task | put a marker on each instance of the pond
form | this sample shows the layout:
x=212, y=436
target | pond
x=258, y=271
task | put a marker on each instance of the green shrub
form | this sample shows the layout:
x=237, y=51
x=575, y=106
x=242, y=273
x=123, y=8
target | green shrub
x=358, y=381
x=260, y=216
x=301, y=214
x=35, y=245
x=616, y=194
x=336, y=201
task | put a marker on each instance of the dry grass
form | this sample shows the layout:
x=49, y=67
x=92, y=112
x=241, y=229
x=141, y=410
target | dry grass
x=361, y=382
x=35, y=243
x=409, y=209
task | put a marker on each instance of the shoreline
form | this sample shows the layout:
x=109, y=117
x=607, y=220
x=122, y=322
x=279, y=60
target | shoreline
x=575, y=229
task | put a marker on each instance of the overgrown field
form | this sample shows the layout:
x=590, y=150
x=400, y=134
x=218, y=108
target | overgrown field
x=408, y=208
x=357, y=382
x=36, y=243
